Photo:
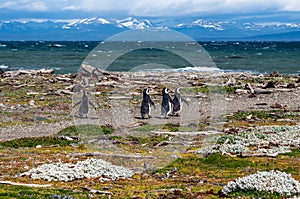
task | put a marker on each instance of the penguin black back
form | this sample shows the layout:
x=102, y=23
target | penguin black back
x=146, y=104
x=177, y=102
x=166, y=104
x=84, y=106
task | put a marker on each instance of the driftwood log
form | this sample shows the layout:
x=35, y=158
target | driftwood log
x=186, y=133
x=26, y=185
x=28, y=72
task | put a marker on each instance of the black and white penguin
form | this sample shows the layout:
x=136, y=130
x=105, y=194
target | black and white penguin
x=84, y=105
x=146, y=104
x=166, y=104
x=177, y=102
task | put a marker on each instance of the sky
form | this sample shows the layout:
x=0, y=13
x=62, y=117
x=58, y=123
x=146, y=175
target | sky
x=154, y=8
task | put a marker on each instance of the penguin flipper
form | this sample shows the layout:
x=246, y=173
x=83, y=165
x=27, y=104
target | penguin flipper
x=152, y=104
x=150, y=101
x=92, y=105
x=76, y=104
x=171, y=100
x=185, y=101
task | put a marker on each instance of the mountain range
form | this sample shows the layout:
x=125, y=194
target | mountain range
x=99, y=28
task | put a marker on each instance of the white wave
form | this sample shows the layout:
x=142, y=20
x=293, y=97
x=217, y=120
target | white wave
x=186, y=69
x=58, y=45
x=4, y=66
x=198, y=69
x=2, y=45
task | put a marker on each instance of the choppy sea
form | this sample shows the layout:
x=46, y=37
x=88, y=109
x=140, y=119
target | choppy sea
x=67, y=57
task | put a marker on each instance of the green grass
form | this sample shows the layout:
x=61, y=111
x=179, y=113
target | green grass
x=212, y=162
x=151, y=141
x=210, y=89
x=260, y=114
x=86, y=130
x=220, y=162
x=171, y=127
x=263, y=114
x=263, y=118
x=165, y=127
x=147, y=128
x=33, y=142
x=294, y=153
x=255, y=194
x=21, y=192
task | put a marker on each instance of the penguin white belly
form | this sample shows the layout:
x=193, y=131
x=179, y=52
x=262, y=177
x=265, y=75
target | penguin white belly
x=170, y=108
x=149, y=109
x=180, y=106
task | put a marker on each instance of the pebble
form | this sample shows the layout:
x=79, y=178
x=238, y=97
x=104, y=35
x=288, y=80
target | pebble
x=31, y=102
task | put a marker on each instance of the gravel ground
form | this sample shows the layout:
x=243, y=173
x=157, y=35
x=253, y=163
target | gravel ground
x=201, y=105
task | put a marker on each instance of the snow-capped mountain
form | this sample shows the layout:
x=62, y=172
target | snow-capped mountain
x=203, y=24
x=133, y=23
x=130, y=23
x=98, y=28
x=86, y=21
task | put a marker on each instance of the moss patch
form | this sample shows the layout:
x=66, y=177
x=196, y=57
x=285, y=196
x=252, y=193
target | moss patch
x=7, y=191
x=210, y=89
x=86, y=130
x=33, y=142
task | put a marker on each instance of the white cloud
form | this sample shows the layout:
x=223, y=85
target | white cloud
x=31, y=5
x=177, y=7
x=157, y=7
x=71, y=7
x=36, y=6
x=293, y=5
x=7, y=4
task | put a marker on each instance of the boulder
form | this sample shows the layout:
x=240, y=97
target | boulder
x=291, y=85
x=270, y=84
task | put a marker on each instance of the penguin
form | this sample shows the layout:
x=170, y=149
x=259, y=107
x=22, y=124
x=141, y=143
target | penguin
x=84, y=105
x=146, y=104
x=177, y=102
x=166, y=104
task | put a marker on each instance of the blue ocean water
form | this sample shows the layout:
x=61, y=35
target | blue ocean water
x=66, y=57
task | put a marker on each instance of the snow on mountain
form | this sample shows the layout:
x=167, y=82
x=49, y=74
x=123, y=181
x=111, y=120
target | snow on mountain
x=130, y=23
x=133, y=23
x=206, y=24
x=279, y=24
x=86, y=21
x=202, y=24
